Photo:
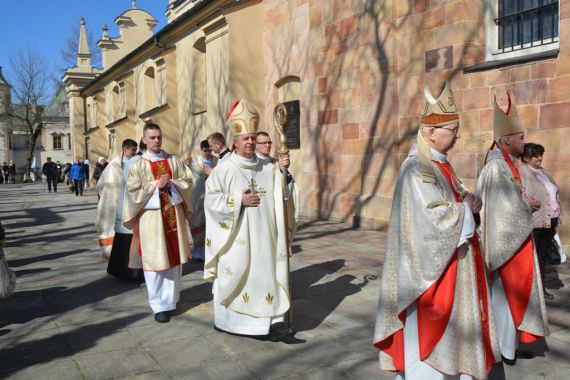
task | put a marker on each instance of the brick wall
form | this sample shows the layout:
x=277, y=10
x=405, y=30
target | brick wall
x=363, y=66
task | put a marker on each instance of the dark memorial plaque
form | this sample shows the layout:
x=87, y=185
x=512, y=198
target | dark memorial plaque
x=292, y=127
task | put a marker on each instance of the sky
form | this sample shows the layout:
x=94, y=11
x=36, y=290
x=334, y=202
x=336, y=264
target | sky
x=45, y=25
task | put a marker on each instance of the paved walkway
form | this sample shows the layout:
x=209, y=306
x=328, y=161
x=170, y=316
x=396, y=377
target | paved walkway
x=70, y=320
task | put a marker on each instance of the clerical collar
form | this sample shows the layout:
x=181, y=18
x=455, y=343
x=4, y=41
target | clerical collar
x=438, y=156
x=155, y=155
x=224, y=152
x=245, y=163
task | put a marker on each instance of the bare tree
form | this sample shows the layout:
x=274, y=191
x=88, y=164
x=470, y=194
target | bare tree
x=30, y=89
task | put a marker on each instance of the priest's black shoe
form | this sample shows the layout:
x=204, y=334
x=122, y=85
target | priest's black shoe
x=548, y=296
x=279, y=331
x=162, y=317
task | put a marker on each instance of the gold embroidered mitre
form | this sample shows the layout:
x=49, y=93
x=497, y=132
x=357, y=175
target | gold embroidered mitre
x=506, y=123
x=435, y=113
x=243, y=118
x=440, y=111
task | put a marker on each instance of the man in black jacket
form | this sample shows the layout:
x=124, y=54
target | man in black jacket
x=50, y=171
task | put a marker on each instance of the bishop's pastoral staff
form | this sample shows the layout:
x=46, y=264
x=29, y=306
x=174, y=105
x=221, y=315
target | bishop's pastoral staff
x=158, y=208
x=506, y=232
x=246, y=235
x=434, y=318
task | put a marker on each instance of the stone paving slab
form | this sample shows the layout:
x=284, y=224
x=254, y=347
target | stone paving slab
x=69, y=320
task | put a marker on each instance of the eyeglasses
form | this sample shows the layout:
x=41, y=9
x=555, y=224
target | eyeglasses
x=452, y=130
x=265, y=143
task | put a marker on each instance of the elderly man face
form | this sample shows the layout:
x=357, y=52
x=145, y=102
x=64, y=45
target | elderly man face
x=514, y=144
x=245, y=145
x=443, y=138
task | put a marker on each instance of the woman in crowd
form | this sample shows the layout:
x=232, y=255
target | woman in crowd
x=540, y=185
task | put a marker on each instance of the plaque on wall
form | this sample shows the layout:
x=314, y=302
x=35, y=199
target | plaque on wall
x=292, y=127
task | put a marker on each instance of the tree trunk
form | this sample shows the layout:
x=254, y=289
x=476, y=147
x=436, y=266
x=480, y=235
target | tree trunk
x=35, y=133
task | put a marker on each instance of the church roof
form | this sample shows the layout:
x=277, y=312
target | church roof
x=2, y=79
x=56, y=107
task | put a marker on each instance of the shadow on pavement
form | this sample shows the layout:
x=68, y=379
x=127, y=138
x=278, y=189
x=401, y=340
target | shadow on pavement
x=24, y=354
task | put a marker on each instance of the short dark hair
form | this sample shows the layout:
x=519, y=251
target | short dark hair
x=217, y=137
x=204, y=144
x=142, y=146
x=532, y=150
x=128, y=143
x=152, y=126
x=261, y=133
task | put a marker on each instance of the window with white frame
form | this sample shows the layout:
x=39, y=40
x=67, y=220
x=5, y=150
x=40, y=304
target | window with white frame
x=516, y=28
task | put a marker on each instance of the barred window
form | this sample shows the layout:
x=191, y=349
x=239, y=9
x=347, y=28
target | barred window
x=57, y=144
x=524, y=24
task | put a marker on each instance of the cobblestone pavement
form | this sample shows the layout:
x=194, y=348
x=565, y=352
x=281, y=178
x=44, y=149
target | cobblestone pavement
x=70, y=320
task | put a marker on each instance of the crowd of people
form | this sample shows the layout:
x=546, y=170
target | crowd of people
x=463, y=276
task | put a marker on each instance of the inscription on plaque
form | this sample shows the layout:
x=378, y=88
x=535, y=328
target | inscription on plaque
x=292, y=127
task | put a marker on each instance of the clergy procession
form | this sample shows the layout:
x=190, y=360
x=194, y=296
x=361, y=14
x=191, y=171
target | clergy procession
x=461, y=284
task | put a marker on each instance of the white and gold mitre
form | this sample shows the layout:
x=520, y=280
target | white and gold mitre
x=440, y=111
x=506, y=123
x=243, y=118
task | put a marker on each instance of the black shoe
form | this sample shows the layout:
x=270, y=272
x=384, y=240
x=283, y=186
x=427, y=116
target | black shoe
x=279, y=331
x=521, y=354
x=510, y=362
x=162, y=317
x=548, y=296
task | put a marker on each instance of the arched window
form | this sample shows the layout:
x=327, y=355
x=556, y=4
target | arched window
x=149, y=89
x=116, y=103
x=198, y=79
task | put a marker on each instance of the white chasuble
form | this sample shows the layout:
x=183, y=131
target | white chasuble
x=246, y=247
x=428, y=240
x=110, y=187
x=506, y=227
x=147, y=223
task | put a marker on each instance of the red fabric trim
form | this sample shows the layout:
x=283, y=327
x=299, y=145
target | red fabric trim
x=483, y=302
x=527, y=337
x=517, y=275
x=106, y=242
x=232, y=110
x=434, y=308
x=168, y=211
x=394, y=345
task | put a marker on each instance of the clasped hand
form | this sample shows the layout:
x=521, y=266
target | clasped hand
x=163, y=181
x=474, y=202
x=249, y=199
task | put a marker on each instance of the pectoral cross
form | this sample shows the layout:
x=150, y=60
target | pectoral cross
x=255, y=189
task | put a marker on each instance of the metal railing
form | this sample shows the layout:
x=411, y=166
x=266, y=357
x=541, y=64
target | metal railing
x=527, y=28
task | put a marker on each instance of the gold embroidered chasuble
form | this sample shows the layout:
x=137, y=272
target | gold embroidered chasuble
x=506, y=223
x=109, y=188
x=246, y=247
x=149, y=246
x=424, y=230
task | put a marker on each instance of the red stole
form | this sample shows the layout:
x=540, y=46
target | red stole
x=517, y=273
x=168, y=211
x=480, y=276
x=435, y=304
